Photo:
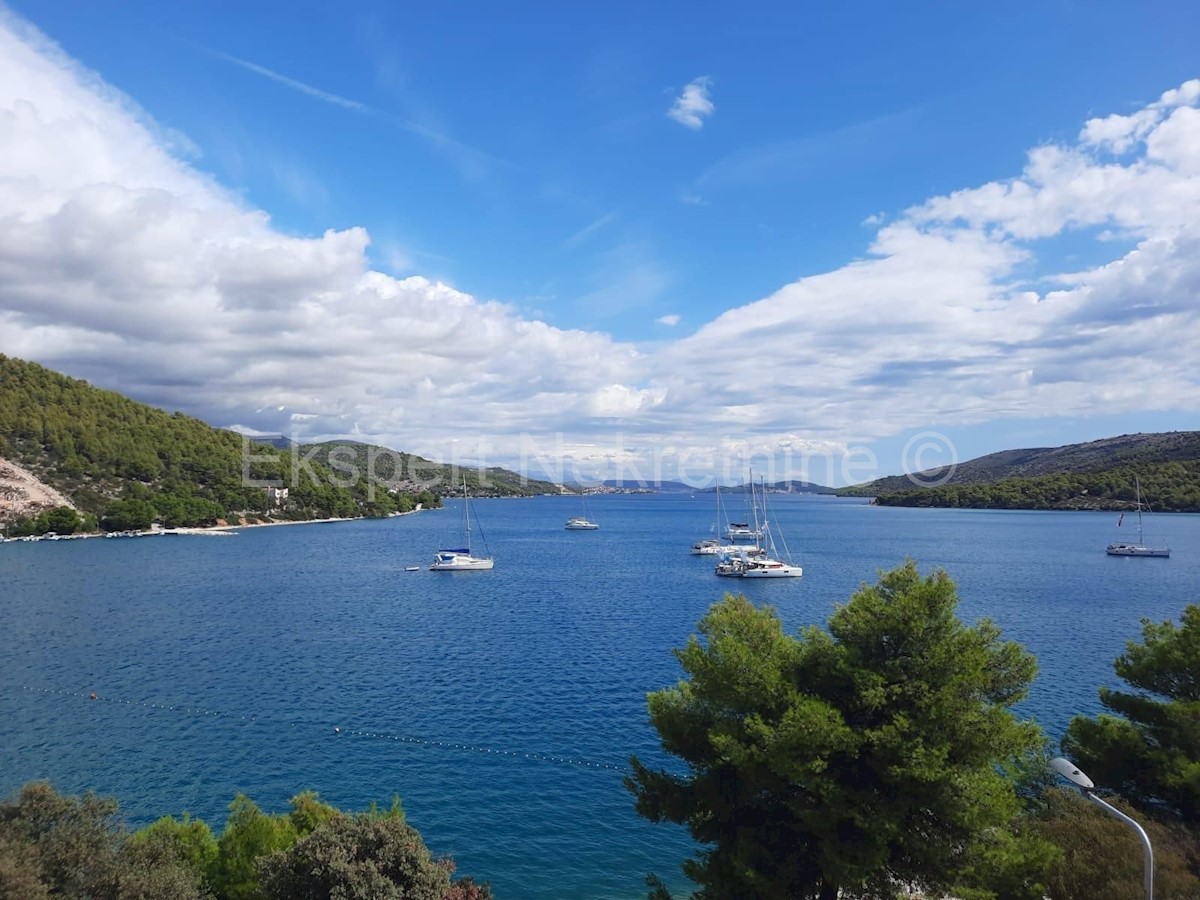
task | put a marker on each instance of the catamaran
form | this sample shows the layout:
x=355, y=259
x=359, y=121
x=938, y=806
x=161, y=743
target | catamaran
x=1140, y=547
x=460, y=559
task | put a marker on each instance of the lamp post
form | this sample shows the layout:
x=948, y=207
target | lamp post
x=1070, y=771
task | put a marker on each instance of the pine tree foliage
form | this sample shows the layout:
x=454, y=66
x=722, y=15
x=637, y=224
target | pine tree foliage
x=862, y=758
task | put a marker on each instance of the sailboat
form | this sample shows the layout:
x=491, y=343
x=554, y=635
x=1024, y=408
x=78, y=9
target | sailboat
x=460, y=559
x=712, y=546
x=583, y=522
x=741, y=531
x=1140, y=548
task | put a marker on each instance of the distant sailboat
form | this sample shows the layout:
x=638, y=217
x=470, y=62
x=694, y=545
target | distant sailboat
x=583, y=522
x=1140, y=547
x=713, y=546
x=460, y=559
x=742, y=531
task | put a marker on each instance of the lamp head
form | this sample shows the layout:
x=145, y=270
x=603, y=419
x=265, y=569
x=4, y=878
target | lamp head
x=1070, y=771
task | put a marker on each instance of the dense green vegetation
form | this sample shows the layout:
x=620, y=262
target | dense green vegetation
x=1166, y=487
x=860, y=759
x=59, y=520
x=126, y=464
x=57, y=846
x=1096, y=475
x=881, y=757
x=1147, y=746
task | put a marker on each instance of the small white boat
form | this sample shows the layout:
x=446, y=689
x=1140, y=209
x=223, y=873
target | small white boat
x=1138, y=547
x=460, y=559
x=412, y=568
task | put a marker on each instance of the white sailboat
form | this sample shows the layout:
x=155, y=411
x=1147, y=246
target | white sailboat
x=583, y=522
x=460, y=559
x=742, y=531
x=1139, y=547
x=712, y=546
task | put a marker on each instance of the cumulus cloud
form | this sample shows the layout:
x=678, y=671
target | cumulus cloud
x=670, y=320
x=694, y=105
x=121, y=263
x=942, y=321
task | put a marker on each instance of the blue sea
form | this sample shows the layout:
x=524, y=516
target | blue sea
x=500, y=706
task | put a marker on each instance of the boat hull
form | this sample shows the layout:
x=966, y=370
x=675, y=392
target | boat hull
x=462, y=564
x=1138, y=550
x=781, y=571
x=581, y=526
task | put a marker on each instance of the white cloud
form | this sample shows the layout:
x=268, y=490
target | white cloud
x=957, y=333
x=670, y=320
x=119, y=262
x=122, y=264
x=694, y=105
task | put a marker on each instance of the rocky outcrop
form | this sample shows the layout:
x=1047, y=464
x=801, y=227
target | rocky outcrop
x=23, y=494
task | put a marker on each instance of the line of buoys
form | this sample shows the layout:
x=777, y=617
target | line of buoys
x=406, y=739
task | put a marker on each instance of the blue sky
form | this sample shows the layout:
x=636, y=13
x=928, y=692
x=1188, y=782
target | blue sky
x=526, y=156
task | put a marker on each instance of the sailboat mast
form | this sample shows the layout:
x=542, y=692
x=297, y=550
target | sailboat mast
x=758, y=544
x=768, y=538
x=717, y=526
x=1137, y=486
x=467, y=513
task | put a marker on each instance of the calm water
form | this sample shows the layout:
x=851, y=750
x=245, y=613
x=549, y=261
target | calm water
x=266, y=642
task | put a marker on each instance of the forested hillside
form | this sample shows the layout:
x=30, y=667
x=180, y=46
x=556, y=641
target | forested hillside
x=1166, y=487
x=128, y=464
x=1096, y=475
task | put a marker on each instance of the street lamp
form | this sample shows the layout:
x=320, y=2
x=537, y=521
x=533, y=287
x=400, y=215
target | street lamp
x=1070, y=771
